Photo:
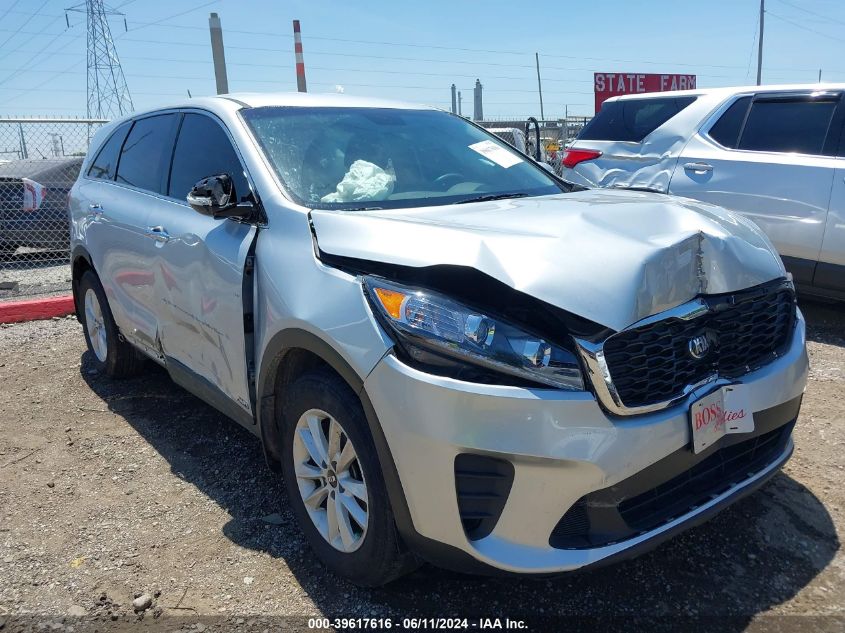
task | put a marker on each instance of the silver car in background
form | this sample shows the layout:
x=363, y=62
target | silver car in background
x=776, y=154
x=450, y=354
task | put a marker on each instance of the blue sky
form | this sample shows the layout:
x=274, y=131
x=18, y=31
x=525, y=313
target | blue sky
x=416, y=50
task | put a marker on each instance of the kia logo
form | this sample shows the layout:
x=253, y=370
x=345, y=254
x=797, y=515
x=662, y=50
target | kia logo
x=699, y=346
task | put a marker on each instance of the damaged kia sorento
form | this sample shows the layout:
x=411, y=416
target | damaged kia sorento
x=449, y=354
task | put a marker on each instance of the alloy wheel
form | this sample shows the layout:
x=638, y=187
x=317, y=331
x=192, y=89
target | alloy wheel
x=330, y=480
x=96, y=326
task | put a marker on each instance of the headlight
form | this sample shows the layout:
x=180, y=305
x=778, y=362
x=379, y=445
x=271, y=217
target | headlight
x=427, y=320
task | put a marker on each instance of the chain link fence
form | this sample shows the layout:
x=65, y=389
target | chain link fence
x=555, y=136
x=40, y=159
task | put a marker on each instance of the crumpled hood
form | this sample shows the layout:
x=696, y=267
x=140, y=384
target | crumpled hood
x=613, y=257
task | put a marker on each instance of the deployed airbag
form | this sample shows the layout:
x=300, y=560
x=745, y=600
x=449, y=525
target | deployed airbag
x=364, y=181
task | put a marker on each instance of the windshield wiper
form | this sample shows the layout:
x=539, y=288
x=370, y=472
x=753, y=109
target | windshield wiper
x=493, y=196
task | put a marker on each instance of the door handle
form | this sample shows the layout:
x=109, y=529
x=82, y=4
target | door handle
x=95, y=209
x=158, y=233
x=699, y=168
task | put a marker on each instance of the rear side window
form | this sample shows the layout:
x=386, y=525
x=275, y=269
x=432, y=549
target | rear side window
x=726, y=130
x=787, y=126
x=105, y=165
x=203, y=149
x=146, y=153
x=632, y=119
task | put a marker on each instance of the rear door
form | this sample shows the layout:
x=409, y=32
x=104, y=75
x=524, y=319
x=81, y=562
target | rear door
x=772, y=158
x=118, y=192
x=199, y=263
x=141, y=176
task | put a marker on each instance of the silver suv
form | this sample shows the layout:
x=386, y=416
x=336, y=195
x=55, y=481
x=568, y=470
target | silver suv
x=449, y=354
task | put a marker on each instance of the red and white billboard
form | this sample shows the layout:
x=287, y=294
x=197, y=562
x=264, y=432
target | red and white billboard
x=607, y=85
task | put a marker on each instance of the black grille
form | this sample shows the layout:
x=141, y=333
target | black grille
x=482, y=485
x=573, y=529
x=711, y=477
x=652, y=364
x=624, y=511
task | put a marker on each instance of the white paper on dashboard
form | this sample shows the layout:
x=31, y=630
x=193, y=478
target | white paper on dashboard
x=496, y=153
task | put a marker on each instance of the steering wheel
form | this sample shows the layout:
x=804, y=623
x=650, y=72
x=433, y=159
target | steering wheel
x=443, y=178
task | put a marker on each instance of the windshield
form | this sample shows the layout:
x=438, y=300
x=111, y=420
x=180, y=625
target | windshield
x=363, y=158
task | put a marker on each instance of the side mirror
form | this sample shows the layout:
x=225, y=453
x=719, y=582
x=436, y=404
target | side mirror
x=215, y=196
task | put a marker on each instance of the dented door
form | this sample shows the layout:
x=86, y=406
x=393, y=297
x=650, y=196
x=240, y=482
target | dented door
x=199, y=265
x=199, y=270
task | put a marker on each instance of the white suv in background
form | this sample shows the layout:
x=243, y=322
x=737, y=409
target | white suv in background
x=774, y=153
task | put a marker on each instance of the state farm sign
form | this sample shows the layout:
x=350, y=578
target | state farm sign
x=607, y=85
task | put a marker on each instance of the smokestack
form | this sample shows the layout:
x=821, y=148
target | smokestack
x=300, y=61
x=477, y=110
x=454, y=100
x=217, y=54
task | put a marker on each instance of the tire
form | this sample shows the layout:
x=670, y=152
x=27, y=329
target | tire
x=112, y=356
x=375, y=554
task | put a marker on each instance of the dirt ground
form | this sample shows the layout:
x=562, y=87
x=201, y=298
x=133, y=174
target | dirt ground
x=110, y=490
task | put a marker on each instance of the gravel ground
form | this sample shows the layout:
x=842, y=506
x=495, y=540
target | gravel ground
x=111, y=490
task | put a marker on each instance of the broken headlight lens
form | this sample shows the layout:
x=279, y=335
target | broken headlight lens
x=428, y=320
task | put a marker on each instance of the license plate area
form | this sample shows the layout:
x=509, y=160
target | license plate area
x=723, y=412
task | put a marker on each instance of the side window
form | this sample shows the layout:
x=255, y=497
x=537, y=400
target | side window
x=146, y=153
x=203, y=149
x=105, y=165
x=782, y=125
x=726, y=130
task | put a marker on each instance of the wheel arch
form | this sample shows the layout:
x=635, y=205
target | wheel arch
x=288, y=354
x=307, y=345
x=296, y=339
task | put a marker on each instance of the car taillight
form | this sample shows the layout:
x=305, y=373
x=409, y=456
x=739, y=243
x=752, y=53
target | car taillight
x=574, y=156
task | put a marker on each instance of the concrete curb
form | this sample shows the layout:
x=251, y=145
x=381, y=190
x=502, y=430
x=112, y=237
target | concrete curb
x=34, y=309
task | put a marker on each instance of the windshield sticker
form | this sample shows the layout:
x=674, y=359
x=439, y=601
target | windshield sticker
x=496, y=153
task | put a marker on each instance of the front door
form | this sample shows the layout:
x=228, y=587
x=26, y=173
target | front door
x=199, y=263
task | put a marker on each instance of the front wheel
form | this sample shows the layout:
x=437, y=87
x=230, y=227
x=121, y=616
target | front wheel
x=335, y=485
x=112, y=356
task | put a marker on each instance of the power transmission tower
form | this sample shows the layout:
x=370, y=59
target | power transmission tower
x=108, y=94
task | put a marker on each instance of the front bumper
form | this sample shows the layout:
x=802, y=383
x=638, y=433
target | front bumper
x=562, y=447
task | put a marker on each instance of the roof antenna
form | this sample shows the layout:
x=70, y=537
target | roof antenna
x=189, y=94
